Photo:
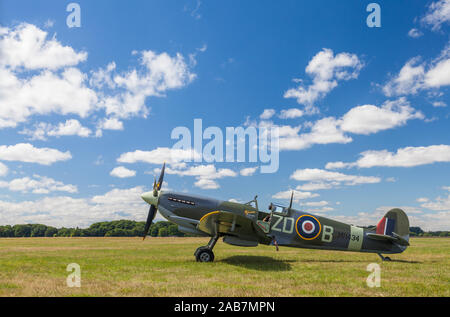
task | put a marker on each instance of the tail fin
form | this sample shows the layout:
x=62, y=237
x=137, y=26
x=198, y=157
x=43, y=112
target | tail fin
x=395, y=222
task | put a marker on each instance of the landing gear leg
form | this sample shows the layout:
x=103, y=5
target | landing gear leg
x=384, y=258
x=205, y=253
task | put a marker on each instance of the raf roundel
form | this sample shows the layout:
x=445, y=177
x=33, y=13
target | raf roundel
x=308, y=227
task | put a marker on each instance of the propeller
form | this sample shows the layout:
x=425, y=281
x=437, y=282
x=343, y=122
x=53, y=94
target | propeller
x=152, y=198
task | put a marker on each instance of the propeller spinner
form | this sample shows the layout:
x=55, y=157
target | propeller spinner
x=152, y=198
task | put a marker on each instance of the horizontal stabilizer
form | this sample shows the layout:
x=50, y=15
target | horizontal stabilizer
x=395, y=238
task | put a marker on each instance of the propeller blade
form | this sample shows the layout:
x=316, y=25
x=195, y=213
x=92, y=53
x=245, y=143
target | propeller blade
x=150, y=217
x=161, y=178
x=155, y=190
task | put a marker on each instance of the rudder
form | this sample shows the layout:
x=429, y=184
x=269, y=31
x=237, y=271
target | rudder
x=394, y=221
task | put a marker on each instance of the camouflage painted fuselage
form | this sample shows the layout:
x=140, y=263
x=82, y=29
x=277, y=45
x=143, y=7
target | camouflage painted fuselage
x=292, y=228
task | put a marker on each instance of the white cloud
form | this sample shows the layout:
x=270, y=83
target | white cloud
x=25, y=152
x=326, y=71
x=316, y=203
x=313, y=186
x=439, y=204
x=111, y=124
x=249, y=171
x=158, y=156
x=336, y=165
x=370, y=119
x=70, y=127
x=205, y=174
x=27, y=46
x=437, y=15
x=414, y=33
x=122, y=172
x=323, y=131
x=298, y=195
x=267, y=114
x=404, y=157
x=323, y=179
x=108, y=124
x=37, y=185
x=39, y=77
x=44, y=93
x=415, y=76
x=366, y=119
x=291, y=113
x=319, y=210
x=3, y=169
x=159, y=73
x=206, y=183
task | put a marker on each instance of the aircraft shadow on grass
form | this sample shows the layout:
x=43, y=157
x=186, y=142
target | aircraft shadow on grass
x=260, y=263
x=353, y=261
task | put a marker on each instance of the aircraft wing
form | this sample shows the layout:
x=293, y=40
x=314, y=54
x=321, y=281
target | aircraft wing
x=228, y=224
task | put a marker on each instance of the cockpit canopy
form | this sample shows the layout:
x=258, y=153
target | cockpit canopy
x=278, y=209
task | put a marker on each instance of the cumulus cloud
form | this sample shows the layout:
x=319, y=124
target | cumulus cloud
x=159, y=155
x=368, y=119
x=316, y=203
x=364, y=120
x=323, y=179
x=291, y=113
x=70, y=127
x=40, y=77
x=37, y=185
x=27, y=46
x=108, y=124
x=122, y=172
x=25, y=152
x=205, y=174
x=326, y=70
x=404, y=157
x=415, y=75
x=298, y=195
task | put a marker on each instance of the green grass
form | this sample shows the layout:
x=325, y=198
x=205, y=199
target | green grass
x=166, y=267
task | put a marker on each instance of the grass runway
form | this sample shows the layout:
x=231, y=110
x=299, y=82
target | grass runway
x=166, y=267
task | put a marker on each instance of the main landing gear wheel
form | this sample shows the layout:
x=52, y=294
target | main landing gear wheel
x=205, y=254
x=384, y=258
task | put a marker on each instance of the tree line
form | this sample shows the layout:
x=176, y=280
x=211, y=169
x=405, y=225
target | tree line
x=118, y=228
x=129, y=228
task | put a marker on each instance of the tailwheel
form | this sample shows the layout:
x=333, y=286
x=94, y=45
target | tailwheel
x=384, y=258
x=204, y=254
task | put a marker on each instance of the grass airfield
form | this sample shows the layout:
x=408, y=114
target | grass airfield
x=166, y=267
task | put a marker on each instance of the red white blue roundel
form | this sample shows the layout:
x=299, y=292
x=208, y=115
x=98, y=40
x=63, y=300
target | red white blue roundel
x=308, y=227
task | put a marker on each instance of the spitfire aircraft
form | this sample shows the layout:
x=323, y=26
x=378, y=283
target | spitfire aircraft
x=246, y=225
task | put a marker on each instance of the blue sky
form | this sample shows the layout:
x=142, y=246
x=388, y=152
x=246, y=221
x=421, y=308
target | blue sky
x=377, y=99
